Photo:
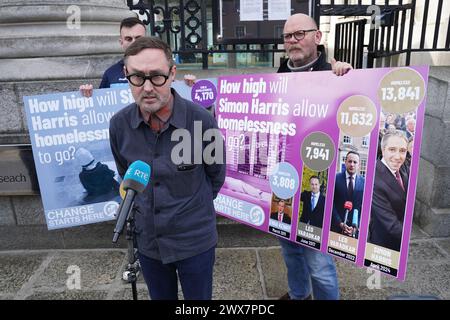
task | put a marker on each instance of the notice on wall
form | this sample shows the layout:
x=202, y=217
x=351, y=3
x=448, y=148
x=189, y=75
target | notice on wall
x=251, y=10
x=279, y=9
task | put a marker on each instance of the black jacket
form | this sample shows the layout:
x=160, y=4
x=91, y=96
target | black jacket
x=388, y=208
x=313, y=217
x=286, y=218
x=320, y=65
x=99, y=180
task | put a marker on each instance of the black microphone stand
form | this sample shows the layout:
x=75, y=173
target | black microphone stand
x=133, y=267
x=127, y=216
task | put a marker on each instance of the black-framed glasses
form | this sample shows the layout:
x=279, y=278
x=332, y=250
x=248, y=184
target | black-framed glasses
x=138, y=79
x=298, y=35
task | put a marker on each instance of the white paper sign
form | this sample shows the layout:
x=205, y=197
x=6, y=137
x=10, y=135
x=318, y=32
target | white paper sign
x=279, y=9
x=251, y=10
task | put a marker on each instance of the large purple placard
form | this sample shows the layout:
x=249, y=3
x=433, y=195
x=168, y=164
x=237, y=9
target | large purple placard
x=325, y=161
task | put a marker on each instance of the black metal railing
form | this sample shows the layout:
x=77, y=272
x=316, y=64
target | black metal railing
x=392, y=29
x=349, y=42
x=183, y=25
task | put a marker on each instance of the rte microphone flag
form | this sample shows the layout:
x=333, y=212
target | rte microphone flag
x=122, y=192
x=355, y=223
x=135, y=180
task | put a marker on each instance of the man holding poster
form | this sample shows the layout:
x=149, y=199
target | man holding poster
x=131, y=29
x=304, y=265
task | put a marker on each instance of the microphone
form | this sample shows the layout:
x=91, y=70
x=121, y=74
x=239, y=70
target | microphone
x=355, y=222
x=135, y=180
x=348, y=205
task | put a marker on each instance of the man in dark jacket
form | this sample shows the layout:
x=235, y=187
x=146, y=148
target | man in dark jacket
x=304, y=265
x=131, y=29
x=175, y=220
x=389, y=192
x=313, y=204
x=349, y=186
x=280, y=215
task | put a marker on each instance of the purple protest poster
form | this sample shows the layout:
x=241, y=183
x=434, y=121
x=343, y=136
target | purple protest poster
x=327, y=162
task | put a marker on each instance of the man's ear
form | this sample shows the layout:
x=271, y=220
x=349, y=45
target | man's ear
x=318, y=37
x=174, y=72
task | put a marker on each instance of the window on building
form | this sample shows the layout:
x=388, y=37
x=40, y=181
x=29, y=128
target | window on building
x=363, y=167
x=240, y=31
x=365, y=141
x=278, y=32
x=347, y=140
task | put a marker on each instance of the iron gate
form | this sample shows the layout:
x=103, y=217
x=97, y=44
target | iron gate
x=349, y=42
x=390, y=34
x=183, y=25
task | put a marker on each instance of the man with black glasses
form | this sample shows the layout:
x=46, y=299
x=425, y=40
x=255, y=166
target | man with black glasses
x=175, y=217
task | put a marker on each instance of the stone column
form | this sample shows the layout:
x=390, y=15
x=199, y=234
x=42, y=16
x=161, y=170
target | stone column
x=45, y=47
x=432, y=209
x=52, y=47
x=61, y=39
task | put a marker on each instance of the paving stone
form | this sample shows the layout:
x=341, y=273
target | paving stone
x=16, y=269
x=6, y=212
x=97, y=235
x=236, y=235
x=97, y=268
x=421, y=279
x=425, y=250
x=351, y=276
x=68, y=295
x=236, y=275
x=363, y=293
x=442, y=278
x=127, y=294
x=274, y=272
x=444, y=244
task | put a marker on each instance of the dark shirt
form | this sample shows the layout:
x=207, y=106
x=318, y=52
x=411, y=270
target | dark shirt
x=114, y=75
x=320, y=65
x=388, y=207
x=175, y=216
